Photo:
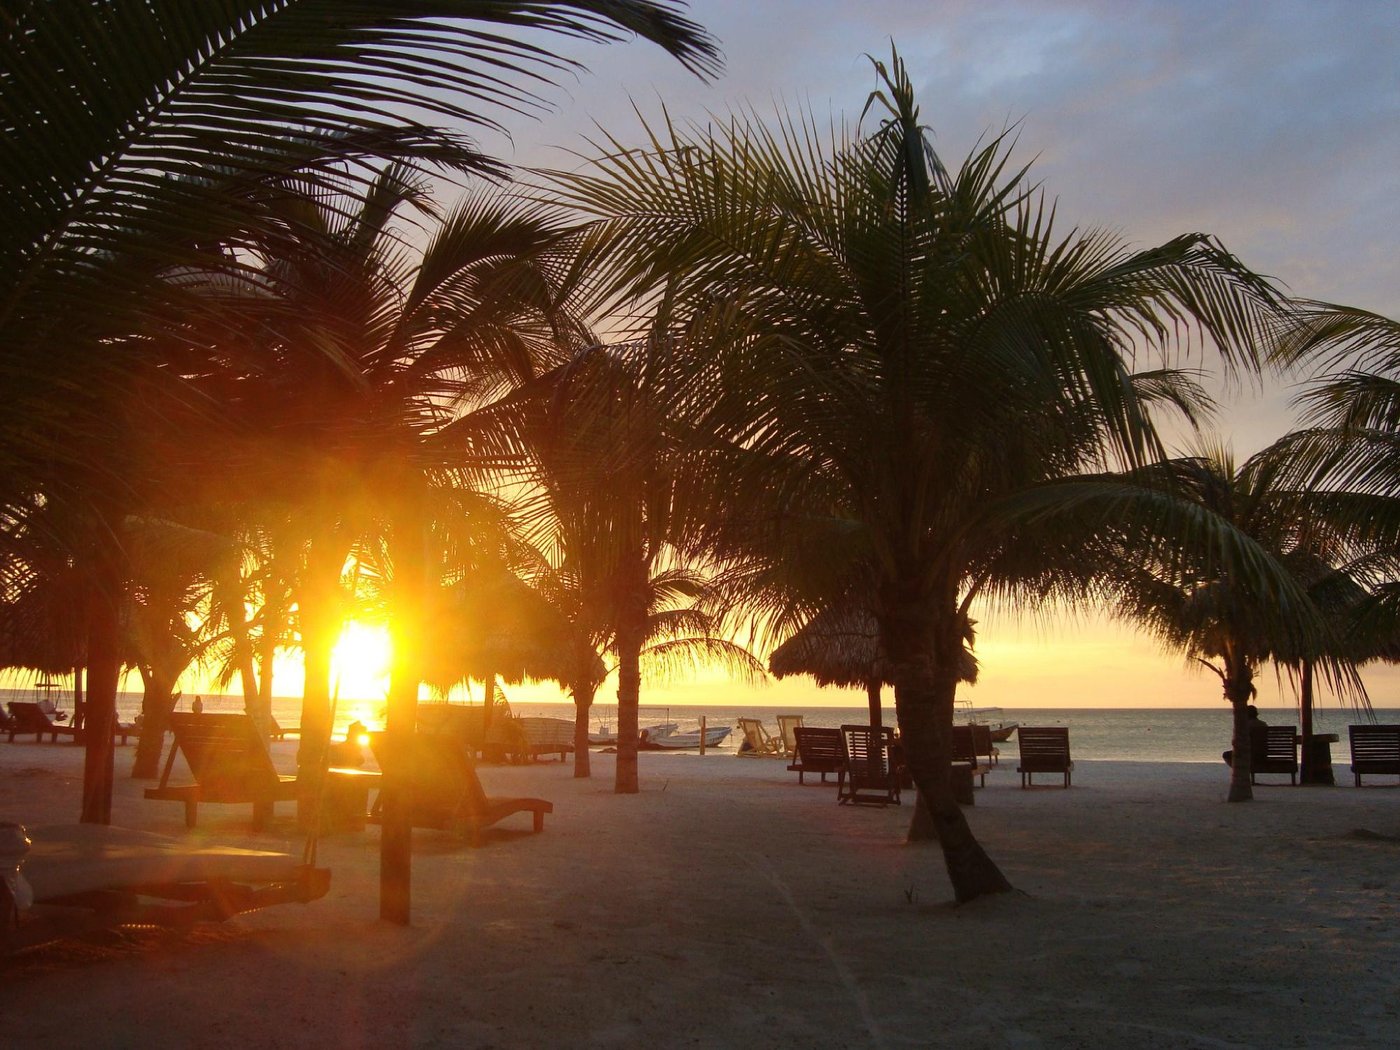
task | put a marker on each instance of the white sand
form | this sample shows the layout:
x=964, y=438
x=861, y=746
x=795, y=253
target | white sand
x=727, y=906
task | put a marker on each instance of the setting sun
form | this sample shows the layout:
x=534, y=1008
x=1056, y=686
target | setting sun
x=360, y=662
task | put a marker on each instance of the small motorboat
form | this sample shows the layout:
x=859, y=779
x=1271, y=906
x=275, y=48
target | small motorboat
x=991, y=717
x=668, y=737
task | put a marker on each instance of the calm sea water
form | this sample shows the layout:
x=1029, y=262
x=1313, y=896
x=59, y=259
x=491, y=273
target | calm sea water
x=1119, y=734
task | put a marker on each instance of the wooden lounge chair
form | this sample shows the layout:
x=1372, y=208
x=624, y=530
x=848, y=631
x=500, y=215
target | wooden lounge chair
x=757, y=742
x=1275, y=750
x=870, y=776
x=787, y=724
x=1374, y=749
x=277, y=731
x=466, y=723
x=26, y=716
x=971, y=743
x=229, y=762
x=818, y=751
x=443, y=787
x=1044, y=749
x=546, y=736
x=117, y=875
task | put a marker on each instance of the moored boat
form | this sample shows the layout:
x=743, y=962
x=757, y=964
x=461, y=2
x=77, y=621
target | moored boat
x=670, y=738
x=991, y=717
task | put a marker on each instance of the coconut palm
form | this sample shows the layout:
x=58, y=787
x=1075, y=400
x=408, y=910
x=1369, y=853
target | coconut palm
x=613, y=480
x=354, y=349
x=1225, y=619
x=910, y=350
x=152, y=98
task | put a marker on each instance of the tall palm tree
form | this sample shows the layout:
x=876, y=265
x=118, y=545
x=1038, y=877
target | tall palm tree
x=154, y=97
x=354, y=350
x=1232, y=622
x=907, y=349
x=614, y=485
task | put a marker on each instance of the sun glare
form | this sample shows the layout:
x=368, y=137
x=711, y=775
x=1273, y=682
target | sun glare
x=360, y=662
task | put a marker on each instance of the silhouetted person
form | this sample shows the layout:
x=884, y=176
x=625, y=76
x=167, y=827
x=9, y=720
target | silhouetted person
x=1257, y=735
x=198, y=706
x=349, y=751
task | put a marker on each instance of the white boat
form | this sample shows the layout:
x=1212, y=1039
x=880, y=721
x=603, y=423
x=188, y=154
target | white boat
x=992, y=717
x=668, y=737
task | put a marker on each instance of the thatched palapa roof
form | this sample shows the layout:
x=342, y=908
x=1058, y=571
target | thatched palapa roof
x=841, y=647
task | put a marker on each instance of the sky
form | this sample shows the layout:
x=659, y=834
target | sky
x=1274, y=126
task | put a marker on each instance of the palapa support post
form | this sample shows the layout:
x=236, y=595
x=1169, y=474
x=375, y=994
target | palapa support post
x=702, y=734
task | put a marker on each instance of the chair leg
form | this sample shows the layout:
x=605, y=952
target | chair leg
x=539, y=821
x=191, y=812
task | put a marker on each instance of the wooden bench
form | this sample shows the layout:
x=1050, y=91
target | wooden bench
x=970, y=744
x=1275, y=750
x=546, y=736
x=230, y=764
x=1374, y=749
x=1044, y=749
x=818, y=750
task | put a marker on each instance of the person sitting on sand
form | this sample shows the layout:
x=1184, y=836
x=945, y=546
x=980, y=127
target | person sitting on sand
x=1257, y=735
x=350, y=752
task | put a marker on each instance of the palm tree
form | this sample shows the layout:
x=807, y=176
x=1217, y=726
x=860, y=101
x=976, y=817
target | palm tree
x=905, y=349
x=353, y=351
x=614, y=485
x=155, y=97
x=1225, y=619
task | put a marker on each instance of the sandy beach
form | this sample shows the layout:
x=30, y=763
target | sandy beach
x=728, y=906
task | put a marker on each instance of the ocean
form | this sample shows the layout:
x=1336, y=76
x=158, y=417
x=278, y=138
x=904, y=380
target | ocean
x=1178, y=734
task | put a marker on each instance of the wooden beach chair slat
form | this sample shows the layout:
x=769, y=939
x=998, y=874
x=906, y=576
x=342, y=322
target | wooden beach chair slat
x=1374, y=749
x=1275, y=750
x=818, y=751
x=1044, y=749
x=869, y=776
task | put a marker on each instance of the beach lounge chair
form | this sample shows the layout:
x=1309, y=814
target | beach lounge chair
x=443, y=787
x=277, y=731
x=786, y=726
x=466, y=723
x=228, y=759
x=818, y=751
x=26, y=716
x=1044, y=749
x=971, y=743
x=546, y=736
x=1374, y=749
x=757, y=742
x=117, y=875
x=1275, y=750
x=869, y=776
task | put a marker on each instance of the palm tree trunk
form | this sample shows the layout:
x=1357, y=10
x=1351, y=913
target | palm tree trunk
x=631, y=632
x=926, y=680
x=79, y=704
x=1308, y=773
x=1239, y=690
x=583, y=703
x=157, y=703
x=320, y=622
x=104, y=667
x=267, y=653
